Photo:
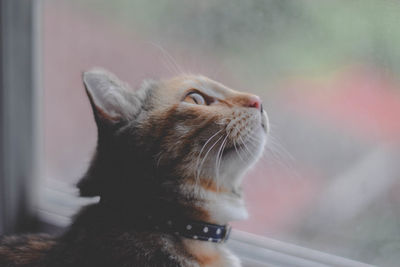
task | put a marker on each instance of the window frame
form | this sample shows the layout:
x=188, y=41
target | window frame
x=19, y=113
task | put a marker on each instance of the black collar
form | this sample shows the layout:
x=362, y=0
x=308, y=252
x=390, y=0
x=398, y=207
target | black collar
x=179, y=226
x=193, y=229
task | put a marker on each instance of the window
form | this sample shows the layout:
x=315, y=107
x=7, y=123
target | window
x=327, y=72
x=19, y=114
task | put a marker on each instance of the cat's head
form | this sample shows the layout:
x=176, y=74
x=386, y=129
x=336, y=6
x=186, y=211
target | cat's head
x=170, y=134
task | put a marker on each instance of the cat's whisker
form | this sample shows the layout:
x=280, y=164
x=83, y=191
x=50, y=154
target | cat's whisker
x=169, y=66
x=170, y=60
x=253, y=141
x=200, y=162
x=237, y=152
x=227, y=135
x=275, y=143
x=251, y=145
x=279, y=155
x=256, y=142
x=219, y=156
x=278, y=151
x=205, y=156
x=218, y=163
x=262, y=157
x=253, y=137
x=243, y=143
x=201, y=151
x=219, y=166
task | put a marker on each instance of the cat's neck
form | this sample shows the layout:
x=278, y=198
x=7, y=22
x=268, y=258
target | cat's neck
x=225, y=208
x=203, y=199
x=182, y=197
x=219, y=205
x=194, y=202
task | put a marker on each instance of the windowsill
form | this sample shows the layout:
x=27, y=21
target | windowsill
x=260, y=251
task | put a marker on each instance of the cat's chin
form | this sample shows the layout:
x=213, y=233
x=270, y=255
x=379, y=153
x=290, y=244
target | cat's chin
x=247, y=153
x=238, y=160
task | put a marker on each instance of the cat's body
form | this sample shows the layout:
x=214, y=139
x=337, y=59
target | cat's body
x=173, y=151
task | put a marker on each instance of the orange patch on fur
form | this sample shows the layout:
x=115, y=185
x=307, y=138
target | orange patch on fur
x=208, y=259
x=208, y=185
x=206, y=254
x=197, y=213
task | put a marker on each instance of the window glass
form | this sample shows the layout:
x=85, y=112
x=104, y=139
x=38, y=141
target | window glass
x=326, y=70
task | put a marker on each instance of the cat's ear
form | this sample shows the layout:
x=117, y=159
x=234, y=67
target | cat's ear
x=112, y=100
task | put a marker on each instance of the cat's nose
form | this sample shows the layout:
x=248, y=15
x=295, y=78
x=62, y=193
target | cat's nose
x=254, y=102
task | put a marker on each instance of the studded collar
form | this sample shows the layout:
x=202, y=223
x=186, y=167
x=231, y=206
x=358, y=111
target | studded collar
x=196, y=230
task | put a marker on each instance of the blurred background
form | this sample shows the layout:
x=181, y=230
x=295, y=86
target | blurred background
x=327, y=71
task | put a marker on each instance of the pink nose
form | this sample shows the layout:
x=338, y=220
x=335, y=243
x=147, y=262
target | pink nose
x=254, y=102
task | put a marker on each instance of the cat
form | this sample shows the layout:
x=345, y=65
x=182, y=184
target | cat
x=168, y=168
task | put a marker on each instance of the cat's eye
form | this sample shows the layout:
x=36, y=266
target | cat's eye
x=195, y=98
